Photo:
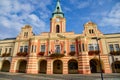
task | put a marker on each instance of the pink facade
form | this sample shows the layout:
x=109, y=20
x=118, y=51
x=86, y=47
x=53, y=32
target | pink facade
x=58, y=51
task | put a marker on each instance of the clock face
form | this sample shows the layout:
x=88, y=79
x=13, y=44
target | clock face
x=57, y=19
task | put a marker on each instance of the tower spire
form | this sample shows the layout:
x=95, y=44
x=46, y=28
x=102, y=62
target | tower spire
x=58, y=10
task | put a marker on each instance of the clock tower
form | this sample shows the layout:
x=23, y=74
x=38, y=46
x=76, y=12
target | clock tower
x=58, y=22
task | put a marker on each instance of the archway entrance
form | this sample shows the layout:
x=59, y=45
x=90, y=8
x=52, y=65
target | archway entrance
x=5, y=66
x=116, y=67
x=57, y=67
x=22, y=66
x=43, y=66
x=95, y=66
x=72, y=67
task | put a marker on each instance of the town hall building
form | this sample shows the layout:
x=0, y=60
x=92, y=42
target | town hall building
x=59, y=51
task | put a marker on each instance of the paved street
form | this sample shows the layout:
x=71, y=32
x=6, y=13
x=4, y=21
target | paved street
x=22, y=76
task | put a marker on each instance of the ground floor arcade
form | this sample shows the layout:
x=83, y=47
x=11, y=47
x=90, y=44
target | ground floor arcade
x=68, y=65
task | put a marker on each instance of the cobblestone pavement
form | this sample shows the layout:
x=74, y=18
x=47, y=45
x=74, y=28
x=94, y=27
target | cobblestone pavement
x=22, y=76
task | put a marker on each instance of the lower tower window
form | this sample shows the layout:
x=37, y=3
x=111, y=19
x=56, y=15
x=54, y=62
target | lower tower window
x=57, y=29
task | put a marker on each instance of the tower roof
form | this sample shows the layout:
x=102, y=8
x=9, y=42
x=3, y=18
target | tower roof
x=58, y=11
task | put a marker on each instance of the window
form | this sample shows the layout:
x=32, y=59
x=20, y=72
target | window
x=58, y=9
x=32, y=48
x=5, y=50
x=10, y=49
x=0, y=51
x=117, y=47
x=79, y=47
x=57, y=29
x=21, y=48
x=96, y=46
x=91, y=47
x=111, y=47
x=42, y=48
x=91, y=31
x=72, y=47
x=25, y=48
x=83, y=47
x=25, y=34
x=57, y=50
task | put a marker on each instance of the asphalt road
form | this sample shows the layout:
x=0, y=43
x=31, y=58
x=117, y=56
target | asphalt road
x=23, y=76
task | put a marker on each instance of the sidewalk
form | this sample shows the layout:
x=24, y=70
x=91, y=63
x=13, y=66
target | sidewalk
x=23, y=76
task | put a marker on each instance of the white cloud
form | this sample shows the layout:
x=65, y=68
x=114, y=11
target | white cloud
x=113, y=17
x=83, y=5
x=115, y=11
x=80, y=4
x=67, y=9
x=14, y=14
x=33, y=17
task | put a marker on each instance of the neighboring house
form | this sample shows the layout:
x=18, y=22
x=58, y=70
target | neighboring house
x=61, y=52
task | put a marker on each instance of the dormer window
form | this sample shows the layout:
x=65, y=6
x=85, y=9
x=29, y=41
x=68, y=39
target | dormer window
x=25, y=34
x=91, y=31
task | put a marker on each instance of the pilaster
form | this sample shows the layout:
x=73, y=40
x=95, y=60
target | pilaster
x=83, y=64
x=65, y=67
x=49, y=67
x=32, y=66
x=106, y=64
x=13, y=67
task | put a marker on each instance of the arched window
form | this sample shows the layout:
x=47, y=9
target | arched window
x=57, y=29
x=91, y=31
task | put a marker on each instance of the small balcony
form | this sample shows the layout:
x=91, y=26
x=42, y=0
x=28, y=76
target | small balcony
x=114, y=52
x=6, y=55
x=41, y=53
x=56, y=55
x=96, y=52
x=22, y=54
x=72, y=53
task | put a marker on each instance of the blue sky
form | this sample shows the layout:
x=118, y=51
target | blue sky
x=14, y=14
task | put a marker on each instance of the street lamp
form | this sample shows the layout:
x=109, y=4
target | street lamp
x=97, y=39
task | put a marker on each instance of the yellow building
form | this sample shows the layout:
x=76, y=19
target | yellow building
x=61, y=52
